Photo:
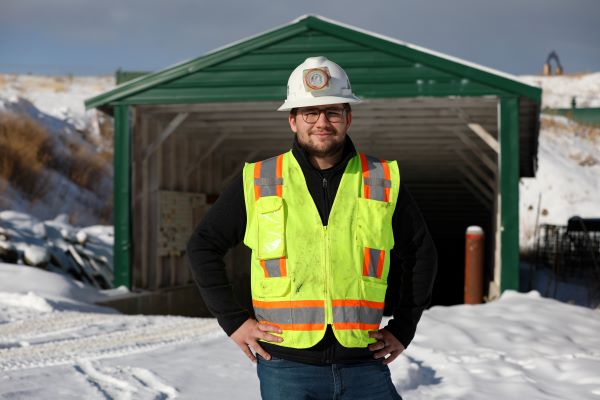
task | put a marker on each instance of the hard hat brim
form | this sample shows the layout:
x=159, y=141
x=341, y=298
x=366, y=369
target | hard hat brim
x=318, y=101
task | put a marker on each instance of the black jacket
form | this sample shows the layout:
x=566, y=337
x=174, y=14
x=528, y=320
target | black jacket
x=413, y=262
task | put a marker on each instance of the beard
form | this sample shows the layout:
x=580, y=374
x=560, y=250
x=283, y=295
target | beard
x=321, y=150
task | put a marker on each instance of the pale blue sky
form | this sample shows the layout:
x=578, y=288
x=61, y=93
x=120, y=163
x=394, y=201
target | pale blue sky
x=97, y=37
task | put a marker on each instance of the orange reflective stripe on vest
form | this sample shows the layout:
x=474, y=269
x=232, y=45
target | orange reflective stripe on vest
x=274, y=268
x=373, y=262
x=267, y=177
x=357, y=314
x=376, y=178
x=299, y=315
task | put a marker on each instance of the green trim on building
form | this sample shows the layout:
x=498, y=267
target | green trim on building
x=589, y=116
x=509, y=188
x=122, y=76
x=254, y=69
x=122, y=200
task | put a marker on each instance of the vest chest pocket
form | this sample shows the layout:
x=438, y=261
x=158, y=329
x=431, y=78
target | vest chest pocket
x=374, y=224
x=271, y=227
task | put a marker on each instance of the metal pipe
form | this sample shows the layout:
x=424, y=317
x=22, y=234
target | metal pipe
x=474, y=249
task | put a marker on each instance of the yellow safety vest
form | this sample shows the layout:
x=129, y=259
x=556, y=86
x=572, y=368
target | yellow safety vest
x=304, y=275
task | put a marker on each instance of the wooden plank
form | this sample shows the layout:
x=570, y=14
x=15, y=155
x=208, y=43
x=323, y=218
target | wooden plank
x=472, y=179
x=479, y=169
x=136, y=198
x=390, y=122
x=221, y=137
x=470, y=144
x=182, y=272
x=144, y=218
x=358, y=113
x=155, y=181
x=164, y=135
x=487, y=137
x=482, y=199
x=470, y=103
x=172, y=185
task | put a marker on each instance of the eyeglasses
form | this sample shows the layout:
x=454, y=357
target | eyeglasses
x=312, y=115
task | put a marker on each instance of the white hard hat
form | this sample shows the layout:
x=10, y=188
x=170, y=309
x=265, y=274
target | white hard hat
x=317, y=82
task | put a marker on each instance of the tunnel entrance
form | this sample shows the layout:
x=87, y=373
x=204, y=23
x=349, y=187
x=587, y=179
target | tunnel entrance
x=448, y=167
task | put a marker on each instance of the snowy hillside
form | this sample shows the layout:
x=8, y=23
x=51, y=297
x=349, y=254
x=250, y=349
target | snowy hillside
x=559, y=90
x=567, y=180
x=568, y=175
x=76, y=139
x=56, y=101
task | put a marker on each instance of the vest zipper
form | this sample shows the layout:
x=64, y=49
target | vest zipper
x=326, y=194
x=328, y=316
x=328, y=313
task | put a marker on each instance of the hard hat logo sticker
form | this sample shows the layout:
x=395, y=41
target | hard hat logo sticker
x=316, y=79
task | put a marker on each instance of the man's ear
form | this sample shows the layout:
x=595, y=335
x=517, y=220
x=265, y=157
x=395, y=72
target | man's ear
x=292, y=121
x=348, y=119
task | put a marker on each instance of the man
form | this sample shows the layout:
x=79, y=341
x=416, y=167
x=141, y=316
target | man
x=326, y=226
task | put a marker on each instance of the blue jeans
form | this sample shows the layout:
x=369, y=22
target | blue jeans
x=289, y=380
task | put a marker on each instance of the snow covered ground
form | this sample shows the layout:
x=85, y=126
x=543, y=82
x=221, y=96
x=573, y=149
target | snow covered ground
x=55, y=345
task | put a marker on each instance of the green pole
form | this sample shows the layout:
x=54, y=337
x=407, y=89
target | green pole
x=509, y=189
x=122, y=180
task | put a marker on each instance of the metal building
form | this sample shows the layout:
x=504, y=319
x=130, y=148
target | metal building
x=463, y=135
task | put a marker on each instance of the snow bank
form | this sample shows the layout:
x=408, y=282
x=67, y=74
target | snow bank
x=522, y=344
x=567, y=180
x=29, y=300
x=559, y=90
x=30, y=282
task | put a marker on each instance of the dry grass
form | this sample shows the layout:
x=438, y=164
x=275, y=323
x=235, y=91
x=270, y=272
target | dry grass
x=106, y=129
x=24, y=147
x=26, y=150
x=83, y=167
x=586, y=131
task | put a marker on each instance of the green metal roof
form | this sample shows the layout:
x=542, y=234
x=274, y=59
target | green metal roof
x=257, y=69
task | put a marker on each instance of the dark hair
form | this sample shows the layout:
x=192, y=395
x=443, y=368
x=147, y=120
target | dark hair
x=347, y=108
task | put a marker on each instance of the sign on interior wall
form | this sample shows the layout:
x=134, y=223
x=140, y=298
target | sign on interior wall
x=180, y=213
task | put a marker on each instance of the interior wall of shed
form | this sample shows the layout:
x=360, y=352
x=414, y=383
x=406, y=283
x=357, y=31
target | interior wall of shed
x=203, y=154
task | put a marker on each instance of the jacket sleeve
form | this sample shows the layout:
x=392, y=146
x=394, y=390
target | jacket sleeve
x=413, y=267
x=221, y=229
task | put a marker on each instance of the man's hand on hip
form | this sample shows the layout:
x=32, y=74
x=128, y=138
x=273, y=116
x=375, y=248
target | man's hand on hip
x=386, y=344
x=247, y=335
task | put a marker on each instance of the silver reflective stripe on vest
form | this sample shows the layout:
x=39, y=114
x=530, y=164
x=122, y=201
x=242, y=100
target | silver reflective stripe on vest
x=376, y=180
x=268, y=178
x=268, y=181
x=386, y=183
x=365, y=315
x=374, y=255
x=273, y=267
x=299, y=315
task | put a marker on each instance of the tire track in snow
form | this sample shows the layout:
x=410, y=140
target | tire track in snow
x=92, y=336
x=124, y=383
